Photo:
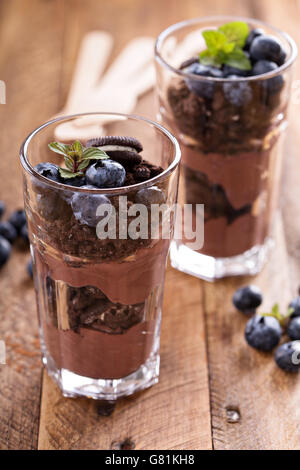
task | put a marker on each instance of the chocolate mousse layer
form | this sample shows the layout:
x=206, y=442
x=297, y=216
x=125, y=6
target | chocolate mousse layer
x=94, y=337
x=98, y=355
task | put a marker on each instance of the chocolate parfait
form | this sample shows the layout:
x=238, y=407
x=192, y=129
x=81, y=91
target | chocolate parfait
x=226, y=99
x=99, y=283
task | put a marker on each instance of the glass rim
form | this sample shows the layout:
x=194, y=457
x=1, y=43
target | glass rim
x=108, y=191
x=200, y=20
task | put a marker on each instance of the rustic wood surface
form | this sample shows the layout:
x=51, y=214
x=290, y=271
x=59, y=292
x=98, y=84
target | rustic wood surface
x=214, y=391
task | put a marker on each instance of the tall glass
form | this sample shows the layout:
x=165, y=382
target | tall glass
x=231, y=149
x=99, y=299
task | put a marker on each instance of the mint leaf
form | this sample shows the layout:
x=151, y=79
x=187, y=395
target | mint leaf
x=69, y=163
x=77, y=158
x=279, y=316
x=77, y=147
x=93, y=153
x=236, y=32
x=215, y=40
x=83, y=164
x=57, y=147
x=207, y=58
x=238, y=59
x=68, y=174
x=224, y=46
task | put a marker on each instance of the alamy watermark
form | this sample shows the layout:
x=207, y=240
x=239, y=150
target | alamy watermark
x=154, y=221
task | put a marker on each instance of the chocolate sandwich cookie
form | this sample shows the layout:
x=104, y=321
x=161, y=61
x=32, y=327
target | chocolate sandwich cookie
x=122, y=149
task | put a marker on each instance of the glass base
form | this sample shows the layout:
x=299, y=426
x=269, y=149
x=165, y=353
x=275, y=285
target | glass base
x=208, y=268
x=73, y=385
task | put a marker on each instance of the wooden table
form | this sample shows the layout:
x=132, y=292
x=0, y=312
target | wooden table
x=214, y=392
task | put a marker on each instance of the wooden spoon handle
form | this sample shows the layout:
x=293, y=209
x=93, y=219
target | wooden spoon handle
x=94, y=52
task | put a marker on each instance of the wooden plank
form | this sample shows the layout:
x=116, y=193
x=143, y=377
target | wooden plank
x=171, y=415
x=30, y=60
x=245, y=380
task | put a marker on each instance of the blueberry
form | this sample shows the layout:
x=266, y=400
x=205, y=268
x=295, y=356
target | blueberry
x=8, y=231
x=266, y=48
x=2, y=208
x=5, y=250
x=24, y=233
x=30, y=268
x=247, y=299
x=215, y=72
x=263, y=332
x=263, y=66
x=252, y=35
x=228, y=70
x=106, y=174
x=150, y=196
x=282, y=58
x=18, y=219
x=48, y=170
x=293, y=329
x=295, y=305
x=77, y=182
x=272, y=85
x=85, y=207
x=287, y=356
x=236, y=92
x=203, y=88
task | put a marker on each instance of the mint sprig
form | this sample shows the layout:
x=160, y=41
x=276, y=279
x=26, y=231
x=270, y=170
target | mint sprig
x=275, y=312
x=77, y=157
x=225, y=46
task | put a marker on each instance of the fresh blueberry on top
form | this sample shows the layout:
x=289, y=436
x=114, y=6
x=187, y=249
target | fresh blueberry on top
x=18, y=219
x=252, y=35
x=263, y=66
x=293, y=329
x=48, y=170
x=263, y=332
x=203, y=88
x=150, y=196
x=236, y=92
x=2, y=208
x=77, y=181
x=85, y=207
x=295, y=305
x=106, y=174
x=5, y=250
x=247, y=299
x=287, y=356
x=8, y=231
x=215, y=72
x=282, y=58
x=274, y=84
x=266, y=48
x=228, y=70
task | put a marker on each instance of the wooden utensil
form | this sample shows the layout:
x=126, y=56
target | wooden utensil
x=131, y=75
